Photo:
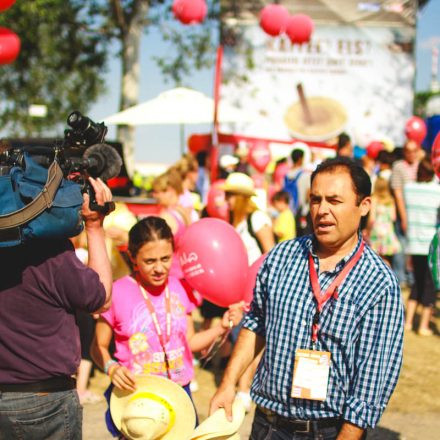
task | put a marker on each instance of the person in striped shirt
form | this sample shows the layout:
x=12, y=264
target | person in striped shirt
x=358, y=320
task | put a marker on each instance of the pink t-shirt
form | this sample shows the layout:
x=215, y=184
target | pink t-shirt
x=137, y=344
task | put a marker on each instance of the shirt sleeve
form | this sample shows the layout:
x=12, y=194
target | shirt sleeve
x=78, y=287
x=260, y=219
x=254, y=320
x=378, y=361
x=397, y=178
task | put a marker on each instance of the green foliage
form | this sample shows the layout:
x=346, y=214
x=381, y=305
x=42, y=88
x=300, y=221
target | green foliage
x=420, y=101
x=63, y=54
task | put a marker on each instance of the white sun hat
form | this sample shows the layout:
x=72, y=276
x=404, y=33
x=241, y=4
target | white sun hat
x=218, y=427
x=159, y=409
x=239, y=183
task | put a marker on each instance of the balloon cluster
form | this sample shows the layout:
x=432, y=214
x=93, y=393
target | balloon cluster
x=9, y=41
x=190, y=12
x=275, y=20
x=215, y=263
x=435, y=155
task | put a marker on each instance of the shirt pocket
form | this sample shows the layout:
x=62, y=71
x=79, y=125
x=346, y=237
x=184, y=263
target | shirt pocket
x=339, y=321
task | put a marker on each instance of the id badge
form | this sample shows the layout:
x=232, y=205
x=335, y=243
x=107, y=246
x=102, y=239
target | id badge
x=310, y=374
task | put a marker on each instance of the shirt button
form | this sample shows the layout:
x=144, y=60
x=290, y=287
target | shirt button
x=304, y=322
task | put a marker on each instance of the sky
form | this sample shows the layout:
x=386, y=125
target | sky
x=161, y=143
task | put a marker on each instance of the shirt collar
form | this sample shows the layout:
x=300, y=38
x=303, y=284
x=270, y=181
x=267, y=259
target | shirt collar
x=312, y=244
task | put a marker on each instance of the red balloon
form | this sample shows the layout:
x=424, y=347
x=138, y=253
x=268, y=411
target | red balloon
x=373, y=149
x=299, y=28
x=199, y=142
x=435, y=155
x=259, y=156
x=280, y=172
x=273, y=19
x=6, y=4
x=214, y=261
x=190, y=11
x=252, y=278
x=9, y=46
x=216, y=204
x=415, y=129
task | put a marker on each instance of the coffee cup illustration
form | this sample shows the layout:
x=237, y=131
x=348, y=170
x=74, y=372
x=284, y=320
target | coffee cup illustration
x=317, y=118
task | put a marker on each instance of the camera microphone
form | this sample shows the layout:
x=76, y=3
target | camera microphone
x=102, y=161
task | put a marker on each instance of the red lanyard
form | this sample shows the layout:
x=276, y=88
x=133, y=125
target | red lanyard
x=332, y=290
x=153, y=314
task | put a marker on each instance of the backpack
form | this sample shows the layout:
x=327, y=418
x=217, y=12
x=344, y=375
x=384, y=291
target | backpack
x=250, y=229
x=291, y=186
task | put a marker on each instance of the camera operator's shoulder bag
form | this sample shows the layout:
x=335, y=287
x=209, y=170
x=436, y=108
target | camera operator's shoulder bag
x=37, y=202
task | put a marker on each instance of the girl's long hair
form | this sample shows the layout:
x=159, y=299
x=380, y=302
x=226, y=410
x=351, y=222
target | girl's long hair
x=382, y=191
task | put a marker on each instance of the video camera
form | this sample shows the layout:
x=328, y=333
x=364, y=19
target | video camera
x=81, y=154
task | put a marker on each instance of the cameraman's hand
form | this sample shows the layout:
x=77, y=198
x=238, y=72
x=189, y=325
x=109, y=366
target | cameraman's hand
x=95, y=219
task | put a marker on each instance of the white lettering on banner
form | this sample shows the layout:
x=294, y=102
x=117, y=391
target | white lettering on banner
x=186, y=259
x=357, y=79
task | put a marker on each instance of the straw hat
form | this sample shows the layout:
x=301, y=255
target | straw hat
x=217, y=426
x=159, y=409
x=239, y=183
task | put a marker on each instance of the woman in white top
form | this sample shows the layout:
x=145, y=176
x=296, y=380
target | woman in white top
x=255, y=229
x=253, y=225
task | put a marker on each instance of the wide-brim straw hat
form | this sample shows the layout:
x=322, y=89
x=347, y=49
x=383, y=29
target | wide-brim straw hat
x=159, y=409
x=218, y=427
x=239, y=183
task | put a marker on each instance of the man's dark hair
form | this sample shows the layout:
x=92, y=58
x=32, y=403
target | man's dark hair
x=385, y=157
x=282, y=196
x=343, y=140
x=297, y=155
x=359, y=177
x=425, y=171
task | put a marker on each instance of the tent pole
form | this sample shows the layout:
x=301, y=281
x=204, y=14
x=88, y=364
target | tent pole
x=182, y=139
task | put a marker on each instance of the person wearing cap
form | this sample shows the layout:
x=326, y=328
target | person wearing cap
x=328, y=312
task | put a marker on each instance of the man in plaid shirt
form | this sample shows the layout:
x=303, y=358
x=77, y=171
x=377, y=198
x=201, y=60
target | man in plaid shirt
x=327, y=294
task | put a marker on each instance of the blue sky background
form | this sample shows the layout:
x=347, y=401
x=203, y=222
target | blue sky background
x=162, y=143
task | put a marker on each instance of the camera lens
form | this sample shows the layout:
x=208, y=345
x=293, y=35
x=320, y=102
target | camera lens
x=77, y=121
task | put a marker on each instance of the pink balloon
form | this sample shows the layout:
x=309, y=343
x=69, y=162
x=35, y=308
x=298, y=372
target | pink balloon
x=190, y=11
x=373, y=149
x=415, y=129
x=216, y=204
x=259, y=156
x=252, y=278
x=273, y=19
x=258, y=180
x=9, y=46
x=214, y=261
x=6, y=4
x=435, y=155
x=280, y=172
x=299, y=28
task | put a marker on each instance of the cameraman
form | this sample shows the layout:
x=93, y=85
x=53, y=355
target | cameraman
x=42, y=284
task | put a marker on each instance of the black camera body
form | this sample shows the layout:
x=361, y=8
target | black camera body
x=81, y=154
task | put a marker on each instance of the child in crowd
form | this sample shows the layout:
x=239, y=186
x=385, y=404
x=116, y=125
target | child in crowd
x=150, y=318
x=284, y=224
x=381, y=233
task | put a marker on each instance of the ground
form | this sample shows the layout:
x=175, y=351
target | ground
x=413, y=412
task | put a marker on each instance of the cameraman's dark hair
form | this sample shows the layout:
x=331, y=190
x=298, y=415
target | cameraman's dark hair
x=297, y=155
x=425, y=171
x=359, y=177
x=343, y=140
x=281, y=196
x=148, y=229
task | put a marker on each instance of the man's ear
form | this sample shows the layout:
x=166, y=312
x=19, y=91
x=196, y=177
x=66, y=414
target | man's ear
x=365, y=206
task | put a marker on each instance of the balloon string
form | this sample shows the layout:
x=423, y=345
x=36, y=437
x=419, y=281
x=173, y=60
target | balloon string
x=211, y=352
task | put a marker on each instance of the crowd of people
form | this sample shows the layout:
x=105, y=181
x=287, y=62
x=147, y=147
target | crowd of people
x=365, y=228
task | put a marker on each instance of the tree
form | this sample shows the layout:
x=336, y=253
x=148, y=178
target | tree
x=62, y=56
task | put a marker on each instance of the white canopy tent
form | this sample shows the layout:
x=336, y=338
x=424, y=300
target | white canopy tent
x=178, y=106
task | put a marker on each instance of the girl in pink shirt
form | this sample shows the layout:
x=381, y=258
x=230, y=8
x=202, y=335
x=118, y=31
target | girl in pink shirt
x=150, y=317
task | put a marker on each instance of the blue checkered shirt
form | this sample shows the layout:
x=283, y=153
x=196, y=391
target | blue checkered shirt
x=362, y=329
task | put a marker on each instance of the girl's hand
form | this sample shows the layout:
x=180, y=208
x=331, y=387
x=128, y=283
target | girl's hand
x=122, y=378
